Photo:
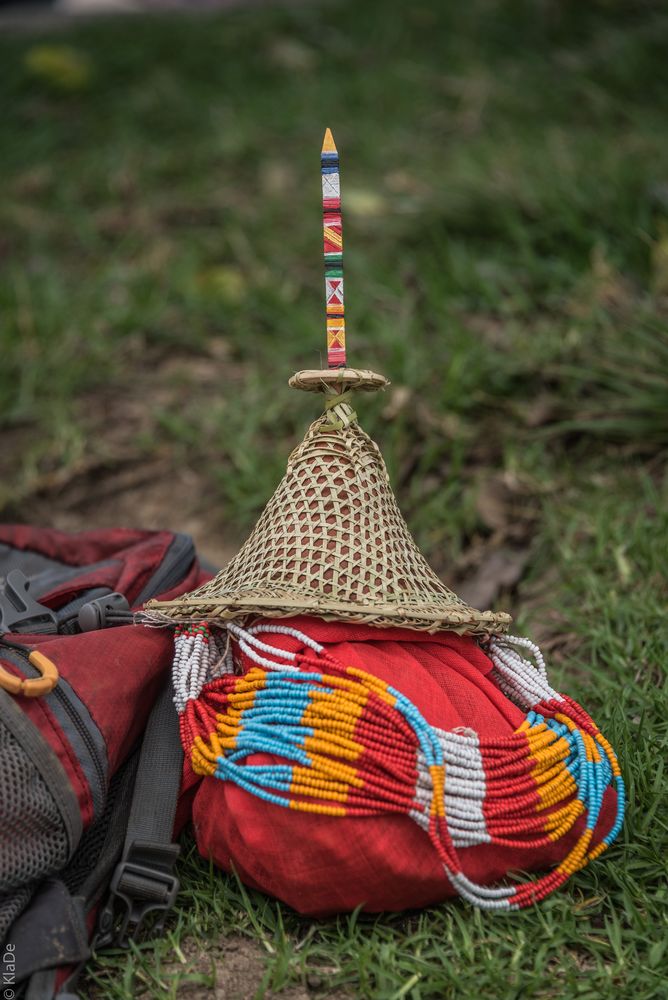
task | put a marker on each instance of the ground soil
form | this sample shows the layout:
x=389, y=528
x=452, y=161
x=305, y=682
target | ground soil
x=237, y=965
x=128, y=474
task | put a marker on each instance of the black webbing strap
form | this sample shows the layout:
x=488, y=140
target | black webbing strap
x=144, y=879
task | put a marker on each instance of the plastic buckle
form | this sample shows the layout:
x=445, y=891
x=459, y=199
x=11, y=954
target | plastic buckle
x=144, y=886
x=19, y=612
x=104, y=611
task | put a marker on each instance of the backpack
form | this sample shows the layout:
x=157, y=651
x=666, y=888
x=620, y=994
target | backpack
x=90, y=760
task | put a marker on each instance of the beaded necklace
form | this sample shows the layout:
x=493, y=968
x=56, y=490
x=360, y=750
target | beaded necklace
x=349, y=744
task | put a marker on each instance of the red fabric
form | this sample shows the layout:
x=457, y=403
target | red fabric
x=322, y=865
x=132, y=557
x=116, y=672
x=39, y=713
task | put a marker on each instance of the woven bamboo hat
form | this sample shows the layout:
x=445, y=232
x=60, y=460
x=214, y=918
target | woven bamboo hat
x=332, y=541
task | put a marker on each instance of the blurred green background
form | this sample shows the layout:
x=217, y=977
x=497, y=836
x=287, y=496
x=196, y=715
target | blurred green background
x=504, y=175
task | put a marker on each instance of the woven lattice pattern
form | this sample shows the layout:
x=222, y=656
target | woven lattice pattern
x=332, y=542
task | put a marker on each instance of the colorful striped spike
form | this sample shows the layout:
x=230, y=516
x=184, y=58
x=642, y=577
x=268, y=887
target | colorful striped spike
x=333, y=251
x=346, y=743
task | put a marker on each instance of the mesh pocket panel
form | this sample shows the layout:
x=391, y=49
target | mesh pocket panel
x=11, y=905
x=33, y=838
x=101, y=845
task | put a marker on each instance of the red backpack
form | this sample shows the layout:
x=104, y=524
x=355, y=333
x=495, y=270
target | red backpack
x=90, y=761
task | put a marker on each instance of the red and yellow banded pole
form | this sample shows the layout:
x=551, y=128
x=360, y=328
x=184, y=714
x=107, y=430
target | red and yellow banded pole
x=333, y=252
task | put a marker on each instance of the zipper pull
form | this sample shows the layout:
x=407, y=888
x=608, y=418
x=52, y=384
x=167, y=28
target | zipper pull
x=32, y=687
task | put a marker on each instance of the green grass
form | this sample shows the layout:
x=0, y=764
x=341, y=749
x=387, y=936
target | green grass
x=505, y=172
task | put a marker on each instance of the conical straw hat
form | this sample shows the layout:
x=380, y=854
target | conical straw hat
x=331, y=541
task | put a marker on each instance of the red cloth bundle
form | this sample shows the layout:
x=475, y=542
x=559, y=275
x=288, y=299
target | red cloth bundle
x=322, y=864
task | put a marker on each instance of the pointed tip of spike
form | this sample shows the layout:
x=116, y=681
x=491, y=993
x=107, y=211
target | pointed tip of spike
x=328, y=145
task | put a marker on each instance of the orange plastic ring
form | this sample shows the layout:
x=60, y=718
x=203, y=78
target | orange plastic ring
x=32, y=687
